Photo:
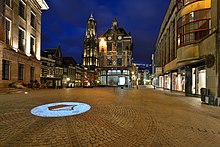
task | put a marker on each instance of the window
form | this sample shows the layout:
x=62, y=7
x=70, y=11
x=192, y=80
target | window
x=119, y=46
x=21, y=9
x=8, y=31
x=109, y=46
x=119, y=60
x=109, y=60
x=33, y=17
x=5, y=70
x=32, y=45
x=32, y=73
x=21, y=39
x=182, y=3
x=125, y=72
x=193, y=27
x=8, y=3
x=20, y=71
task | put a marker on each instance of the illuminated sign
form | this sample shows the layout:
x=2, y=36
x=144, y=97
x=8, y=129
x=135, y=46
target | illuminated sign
x=60, y=109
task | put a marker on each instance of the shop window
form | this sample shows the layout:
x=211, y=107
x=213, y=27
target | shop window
x=5, y=69
x=125, y=72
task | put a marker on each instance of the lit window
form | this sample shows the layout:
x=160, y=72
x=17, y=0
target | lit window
x=21, y=39
x=193, y=27
x=32, y=45
x=8, y=31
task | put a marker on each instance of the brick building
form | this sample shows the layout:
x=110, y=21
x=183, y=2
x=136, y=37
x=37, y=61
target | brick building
x=115, y=56
x=20, y=40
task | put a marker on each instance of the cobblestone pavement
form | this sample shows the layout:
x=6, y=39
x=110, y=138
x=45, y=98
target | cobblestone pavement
x=118, y=118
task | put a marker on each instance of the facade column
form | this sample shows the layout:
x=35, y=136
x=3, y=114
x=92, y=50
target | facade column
x=188, y=81
x=171, y=82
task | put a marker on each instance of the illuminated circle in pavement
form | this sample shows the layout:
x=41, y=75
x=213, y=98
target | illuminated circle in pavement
x=60, y=109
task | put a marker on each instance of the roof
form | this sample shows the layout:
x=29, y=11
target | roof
x=69, y=61
x=51, y=51
x=118, y=30
x=43, y=4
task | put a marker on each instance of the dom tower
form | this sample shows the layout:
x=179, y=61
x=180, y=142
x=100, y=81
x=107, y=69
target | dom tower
x=90, y=54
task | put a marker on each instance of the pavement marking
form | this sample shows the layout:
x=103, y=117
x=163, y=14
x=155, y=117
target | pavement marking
x=60, y=109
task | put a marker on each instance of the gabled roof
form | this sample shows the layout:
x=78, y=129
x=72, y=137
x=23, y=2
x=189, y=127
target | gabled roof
x=118, y=31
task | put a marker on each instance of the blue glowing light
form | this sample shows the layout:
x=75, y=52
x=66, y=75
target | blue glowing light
x=60, y=109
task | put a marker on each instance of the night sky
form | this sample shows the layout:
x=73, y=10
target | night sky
x=65, y=23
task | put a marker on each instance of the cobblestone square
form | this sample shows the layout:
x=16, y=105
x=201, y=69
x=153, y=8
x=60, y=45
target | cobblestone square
x=118, y=117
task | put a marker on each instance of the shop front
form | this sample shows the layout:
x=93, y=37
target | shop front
x=161, y=81
x=178, y=81
x=167, y=81
x=198, y=79
x=115, y=78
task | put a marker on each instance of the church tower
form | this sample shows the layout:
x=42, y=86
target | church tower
x=90, y=53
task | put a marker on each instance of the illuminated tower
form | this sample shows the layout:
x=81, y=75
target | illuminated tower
x=90, y=54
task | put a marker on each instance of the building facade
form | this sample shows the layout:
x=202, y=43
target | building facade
x=144, y=74
x=69, y=72
x=20, y=49
x=90, y=55
x=187, y=49
x=52, y=68
x=79, y=75
x=115, y=56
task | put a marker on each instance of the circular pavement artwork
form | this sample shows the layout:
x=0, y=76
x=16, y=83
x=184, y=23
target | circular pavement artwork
x=60, y=109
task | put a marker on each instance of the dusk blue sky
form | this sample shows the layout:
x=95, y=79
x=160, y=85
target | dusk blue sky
x=65, y=23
